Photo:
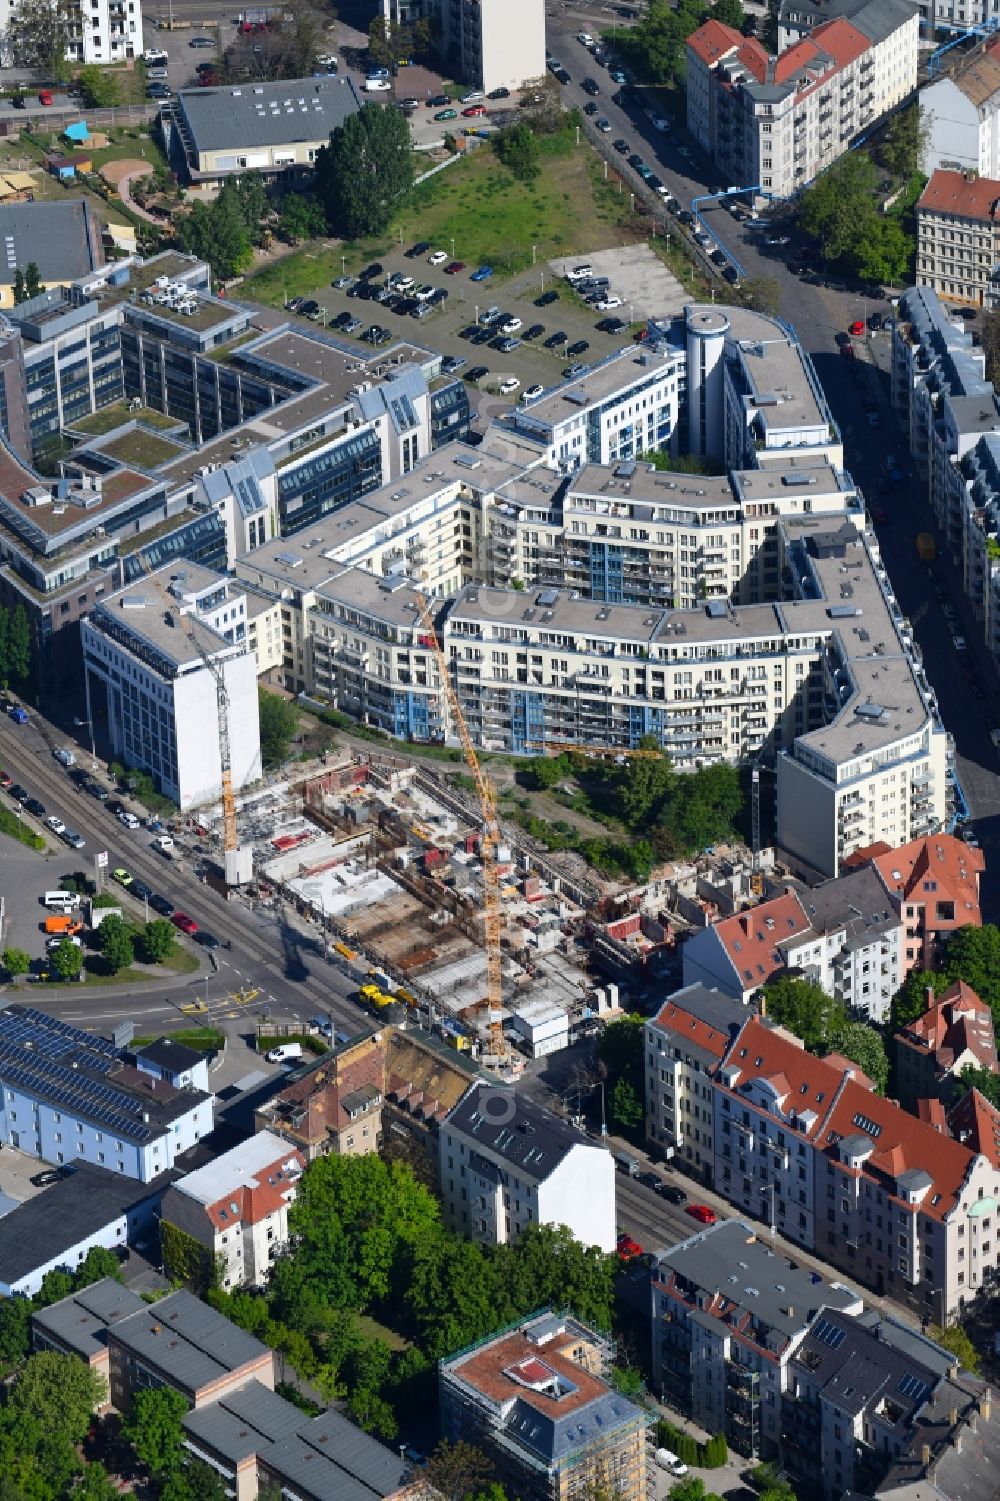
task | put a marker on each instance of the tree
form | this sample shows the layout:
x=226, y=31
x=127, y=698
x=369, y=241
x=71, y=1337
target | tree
x=98, y=1263
x=983, y=1079
x=32, y=285
x=910, y=1000
x=864, y=1046
x=517, y=148
x=57, y=1394
x=196, y=1481
x=115, y=938
x=154, y=1428
x=19, y=637
x=763, y=294
x=373, y=1413
x=95, y=1485
x=955, y=1340
x=217, y=233
x=626, y=1106
x=16, y=961
x=806, y=1010
x=904, y=144
x=15, y=1331
x=158, y=940
x=620, y=1050
x=301, y=218
x=67, y=960
x=19, y=293
x=457, y=1471
x=973, y=955
x=730, y=13
x=99, y=89
x=279, y=720
x=379, y=47
x=249, y=197
x=38, y=35
x=366, y=171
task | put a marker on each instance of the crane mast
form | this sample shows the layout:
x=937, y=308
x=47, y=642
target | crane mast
x=492, y=916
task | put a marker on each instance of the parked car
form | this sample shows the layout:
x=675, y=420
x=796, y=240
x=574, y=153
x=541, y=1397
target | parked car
x=446, y=114
x=628, y=1248
x=161, y=905
x=483, y=273
x=35, y=807
x=415, y=251
x=856, y=328
x=454, y=268
x=185, y=923
x=509, y=385
x=476, y=372
x=45, y=96
x=547, y=298
x=702, y=1213
x=672, y=1194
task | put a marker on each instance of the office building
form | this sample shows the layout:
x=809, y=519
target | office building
x=70, y=1096
x=959, y=120
x=155, y=655
x=728, y=1315
x=273, y=128
x=236, y=1208
x=506, y=1163
x=954, y=1032
x=91, y=1206
x=780, y=121
x=536, y=1399
x=958, y=238
x=844, y=935
x=685, y=1041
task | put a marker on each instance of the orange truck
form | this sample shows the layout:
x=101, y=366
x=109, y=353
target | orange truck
x=65, y=925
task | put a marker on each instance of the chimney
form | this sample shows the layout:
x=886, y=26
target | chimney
x=953, y=1417
x=763, y=1004
x=930, y=999
x=925, y=1455
x=986, y=1404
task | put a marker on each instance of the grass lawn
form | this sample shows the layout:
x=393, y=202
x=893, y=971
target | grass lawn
x=491, y=216
x=182, y=961
x=202, y=1039
x=145, y=449
x=113, y=416
x=371, y=1328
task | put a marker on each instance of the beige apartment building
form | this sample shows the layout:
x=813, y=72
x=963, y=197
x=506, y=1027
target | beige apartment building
x=958, y=238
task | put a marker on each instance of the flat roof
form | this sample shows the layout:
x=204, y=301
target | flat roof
x=80, y=1321
x=615, y=371
x=243, y=1422
x=151, y=615
x=61, y=238
x=392, y=600
x=286, y=113
x=329, y=1459
x=242, y=1165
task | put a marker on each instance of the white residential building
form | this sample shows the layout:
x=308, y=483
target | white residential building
x=960, y=112
x=844, y=935
x=112, y=1113
x=98, y=31
x=155, y=649
x=776, y=122
x=236, y=1207
x=685, y=1041
x=506, y=1163
x=625, y=405
x=496, y=43
x=958, y=238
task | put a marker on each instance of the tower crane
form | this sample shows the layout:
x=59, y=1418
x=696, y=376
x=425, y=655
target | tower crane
x=230, y=839
x=492, y=918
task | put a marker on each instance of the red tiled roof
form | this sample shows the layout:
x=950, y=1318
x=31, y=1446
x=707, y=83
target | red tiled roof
x=713, y=40
x=934, y=1113
x=953, y=193
x=844, y=42
x=259, y=1197
x=754, y=57
x=690, y=1027
x=751, y=938
x=901, y=1142
x=790, y=62
x=956, y=1023
x=937, y=867
x=802, y=1081
x=976, y=1124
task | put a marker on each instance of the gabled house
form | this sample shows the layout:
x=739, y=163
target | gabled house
x=954, y=1032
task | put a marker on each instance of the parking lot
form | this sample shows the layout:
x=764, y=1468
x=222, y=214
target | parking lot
x=27, y=877
x=538, y=359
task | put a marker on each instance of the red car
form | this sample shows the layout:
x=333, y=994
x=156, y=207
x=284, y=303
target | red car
x=847, y=351
x=474, y=109
x=628, y=1248
x=45, y=96
x=701, y=1212
x=185, y=923
x=454, y=268
x=856, y=328
x=6, y=780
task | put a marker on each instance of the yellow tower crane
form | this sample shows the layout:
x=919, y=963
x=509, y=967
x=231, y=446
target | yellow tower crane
x=492, y=914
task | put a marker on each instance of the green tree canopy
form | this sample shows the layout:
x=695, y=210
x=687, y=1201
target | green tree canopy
x=99, y=89
x=457, y=1471
x=158, y=940
x=957, y=1342
x=973, y=955
x=806, y=1010
x=154, y=1428
x=67, y=960
x=626, y=1106
x=863, y=1044
x=16, y=961
x=301, y=218
x=218, y=233
x=57, y=1395
x=983, y=1079
x=115, y=939
x=910, y=1000
x=365, y=173
x=38, y=36
x=279, y=720
x=517, y=147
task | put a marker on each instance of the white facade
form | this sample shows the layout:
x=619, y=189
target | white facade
x=501, y=1172
x=146, y=646
x=100, y=31
x=544, y=1027
x=960, y=117
x=500, y=43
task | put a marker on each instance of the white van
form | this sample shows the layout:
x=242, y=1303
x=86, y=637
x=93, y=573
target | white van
x=65, y=756
x=285, y=1052
x=667, y=1460
x=61, y=901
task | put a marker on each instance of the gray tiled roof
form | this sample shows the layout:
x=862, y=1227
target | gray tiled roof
x=58, y=237
x=531, y=1139
x=267, y=114
x=329, y=1459
x=79, y=1322
x=244, y=1422
x=188, y=1341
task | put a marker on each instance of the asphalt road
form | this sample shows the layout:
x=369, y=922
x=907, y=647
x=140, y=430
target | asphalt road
x=270, y=951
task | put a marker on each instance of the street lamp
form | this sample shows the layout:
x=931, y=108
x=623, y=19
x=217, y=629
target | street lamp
x=89, y=725
x=343, y=265
x=453, y=247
